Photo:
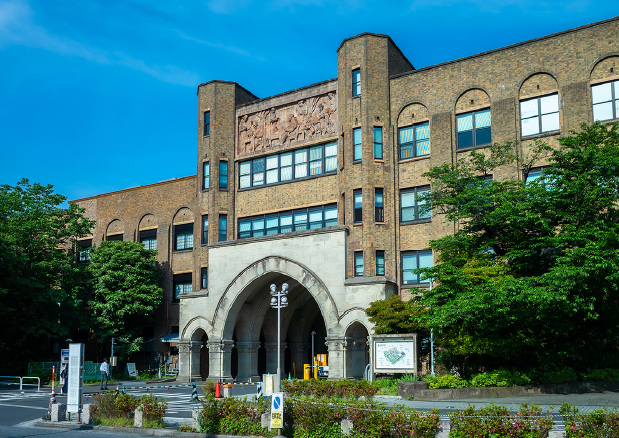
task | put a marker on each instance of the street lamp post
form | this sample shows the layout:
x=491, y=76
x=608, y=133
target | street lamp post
x=278, y=301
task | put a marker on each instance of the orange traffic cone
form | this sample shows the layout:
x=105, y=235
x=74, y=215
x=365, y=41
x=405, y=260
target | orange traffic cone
x=217, y=391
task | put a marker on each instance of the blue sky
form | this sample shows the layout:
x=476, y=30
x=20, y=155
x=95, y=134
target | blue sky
x=97, y=96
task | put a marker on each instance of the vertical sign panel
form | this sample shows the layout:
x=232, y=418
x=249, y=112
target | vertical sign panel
x=76, y=365
x=277, y=410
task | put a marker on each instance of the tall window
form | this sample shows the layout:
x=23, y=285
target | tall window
x=605, y=99
x=356, y=82
x=414, y=260
x=378, y=143
x=205, y=229
x=287, y=221
x=183, y=237
x=380, y=263
x=474, y=129
x=379, y=210
x=223, y=175
x=83, y=250
x=358, y=202
x=207, y=175
x=207, y=122
x=539, y=115
x=313, y=161
x=411, y=207
x=223, y=227
x=414, y=141
x=182, y=285
x=357, y=148
x=204, y=275
x=148, y=238
x=358, y=263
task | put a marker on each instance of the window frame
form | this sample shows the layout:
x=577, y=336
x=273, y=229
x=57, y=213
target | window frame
x=416, y=254
x=416, y=190
x=357, y=210
x=82, y=250
x=207, y=123
x=379, y=210
x=206, y=175
x=223, y=175
x=356, y=82
x=184, y=229
x=357, y=158
x=245, y=226
x=147, y=236
x=474, y=129
x=614, y=100
x=378, y=144
x=358, y=255
x=414, y=142
x=539, y=115
x=204, y=229
x=380, y=255
x=114, y=237
x=204, y=278
x=185, y=280
x=224, y=218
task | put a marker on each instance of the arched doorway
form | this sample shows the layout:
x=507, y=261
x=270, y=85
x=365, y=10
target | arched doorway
x=357, y=350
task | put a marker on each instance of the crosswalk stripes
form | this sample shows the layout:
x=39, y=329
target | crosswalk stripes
x=8, y=396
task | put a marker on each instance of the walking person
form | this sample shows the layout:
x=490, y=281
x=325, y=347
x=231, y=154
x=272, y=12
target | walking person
x=105, y=372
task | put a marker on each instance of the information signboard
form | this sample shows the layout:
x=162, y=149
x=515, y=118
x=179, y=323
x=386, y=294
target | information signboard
x=394, y=353
x=131, y=370
x=277, y=410
x=76, y=367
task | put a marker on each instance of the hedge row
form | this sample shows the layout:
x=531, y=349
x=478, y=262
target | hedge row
x=329, y=388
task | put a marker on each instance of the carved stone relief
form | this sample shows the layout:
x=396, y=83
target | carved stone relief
x=294, y=124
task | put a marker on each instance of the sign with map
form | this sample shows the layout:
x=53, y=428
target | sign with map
x=394, y=353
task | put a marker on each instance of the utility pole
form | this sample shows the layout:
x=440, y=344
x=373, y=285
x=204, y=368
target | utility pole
x=278, y=301
x=112, y=359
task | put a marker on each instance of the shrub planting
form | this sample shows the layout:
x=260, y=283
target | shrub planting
x=500, y=377
x=110, y=409
x=329, y=388
x=497, y=422
x=234, y=416
x=603, y=375
x=599, y=423
x=447, y=381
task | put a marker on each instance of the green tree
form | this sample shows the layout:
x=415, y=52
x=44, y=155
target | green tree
x=125, y=292
x=531, y=276
x=40, y=278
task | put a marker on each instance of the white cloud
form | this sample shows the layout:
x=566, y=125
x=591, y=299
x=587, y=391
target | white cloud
x=18, y=28
x=219, y=45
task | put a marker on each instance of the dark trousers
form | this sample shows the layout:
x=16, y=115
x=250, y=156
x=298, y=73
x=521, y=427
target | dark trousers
x=104, y=377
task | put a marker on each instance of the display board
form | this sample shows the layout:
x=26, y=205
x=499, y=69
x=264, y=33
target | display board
x=76, y=366
x=394, y=353
x=131, y=370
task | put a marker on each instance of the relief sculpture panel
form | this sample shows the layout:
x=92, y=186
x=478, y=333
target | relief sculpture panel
x=305, y=120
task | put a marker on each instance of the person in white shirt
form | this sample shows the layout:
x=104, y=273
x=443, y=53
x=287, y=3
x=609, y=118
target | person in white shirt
x=105, y=371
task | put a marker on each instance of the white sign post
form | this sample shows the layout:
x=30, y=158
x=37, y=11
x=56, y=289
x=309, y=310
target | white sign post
x=76, y=367
x=277, y=410
x=131, y=370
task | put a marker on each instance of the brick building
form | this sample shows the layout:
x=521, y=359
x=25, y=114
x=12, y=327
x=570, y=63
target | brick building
x=318, y=187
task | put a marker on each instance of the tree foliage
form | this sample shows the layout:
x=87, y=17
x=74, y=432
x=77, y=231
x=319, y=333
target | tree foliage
x=125, y=292
x=531, y=276
x=40, y=279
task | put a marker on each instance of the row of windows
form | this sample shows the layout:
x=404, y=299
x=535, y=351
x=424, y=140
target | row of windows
x=412, y=206
x=287, y=221
x=288, y=166
x=411, y=260
x=223, y=175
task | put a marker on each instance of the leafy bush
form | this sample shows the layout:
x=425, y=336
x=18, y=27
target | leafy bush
x=209, y=387
x=110, y=409
x=599, y=423
x=496, y=422
x=329, y=388
x=603, y=375
x=500, y=377
x=234, y=416
x=152, y=407
x=562, y=375
x=447, y=381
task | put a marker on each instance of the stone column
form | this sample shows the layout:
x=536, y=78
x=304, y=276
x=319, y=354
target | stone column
x=298, y=355
x=183, y=361
x=271, y=349
x=219, y=359
x=248, y=359
x=337, y=357
x=348, y=358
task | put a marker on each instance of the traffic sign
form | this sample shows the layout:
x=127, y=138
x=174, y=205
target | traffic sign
x=277, y=410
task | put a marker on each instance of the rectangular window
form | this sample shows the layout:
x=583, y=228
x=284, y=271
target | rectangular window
x=378, y=143
x=411, y=207
x=183, y=237
x=414, y=141
x=413, y=260
x=358, y=263
x=474, y=129
x=204, y=275
x=380, y=263
x=357, y=148
x=358, y=206
x=379, y=210
x=356, y=82
x=313, y=161
x=605, y=99
x=182, y=285
x=223, y=227
x=539, y=115
x=83, y=250
x=287, y=221
x=148, y=238
x=223, y=175
x=205, y=229
x=207, y=123
x=207, y=176
x=114, y=237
